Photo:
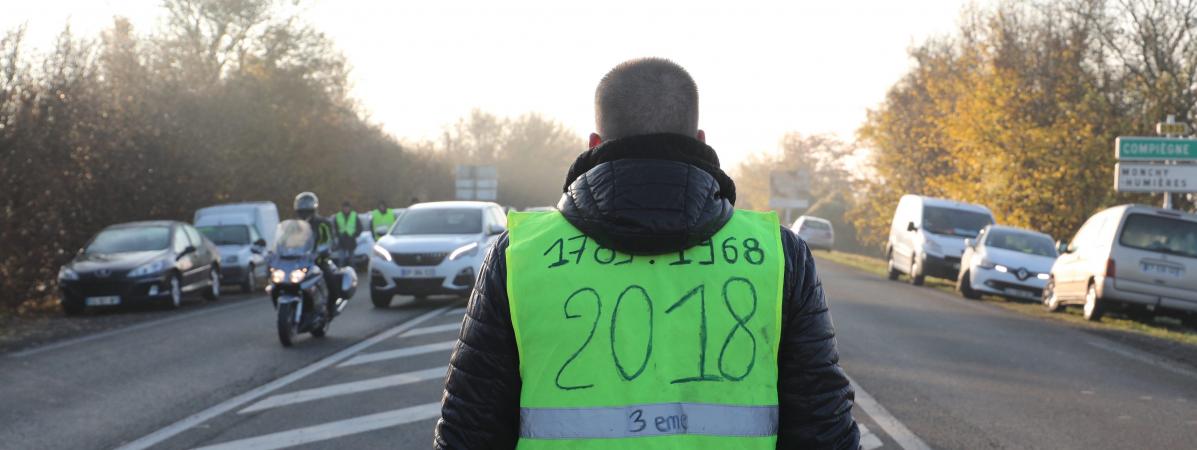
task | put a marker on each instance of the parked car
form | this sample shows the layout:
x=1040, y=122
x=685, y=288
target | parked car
x=1007, y=261
x=242, y=250
x=817, y=232
x=140, y=262
x=926, y=237
x=1129, y=257
x=434, y=248
x=242, y=231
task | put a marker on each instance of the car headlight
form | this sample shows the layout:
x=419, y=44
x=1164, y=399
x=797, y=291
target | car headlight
x=231, y=259
x=382, y=253
x=277, y=276
x=1044, y=276
x=1001, y=268
x=298, y=275
x=66, y=273
x=149, y=269
x=470, y=249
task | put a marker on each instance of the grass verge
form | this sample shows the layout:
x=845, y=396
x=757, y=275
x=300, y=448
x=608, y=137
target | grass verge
x=1160, y=327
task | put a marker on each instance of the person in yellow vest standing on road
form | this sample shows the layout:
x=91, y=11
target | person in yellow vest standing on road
x=646, y=312
x=381, y=219
x=348, y=227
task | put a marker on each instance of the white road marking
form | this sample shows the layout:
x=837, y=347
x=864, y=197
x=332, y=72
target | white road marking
x=456, y=312
x=353, y=387
x=433, y=329
x=399, y=353
x=900, y=434
x=130, y=328
x=235, y=402
x=333, y=430
x=868, y=440
x=1142, y=357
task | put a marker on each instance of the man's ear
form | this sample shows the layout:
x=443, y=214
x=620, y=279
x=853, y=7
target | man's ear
x=595, y=140
x=702, y=136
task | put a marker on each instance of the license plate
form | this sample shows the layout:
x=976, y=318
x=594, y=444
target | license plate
x=108, y=300
x=417, y=272
x=1021, y=293
x=1161, y=269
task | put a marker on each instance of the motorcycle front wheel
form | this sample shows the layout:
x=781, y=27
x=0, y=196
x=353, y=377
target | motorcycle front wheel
x=286, y=323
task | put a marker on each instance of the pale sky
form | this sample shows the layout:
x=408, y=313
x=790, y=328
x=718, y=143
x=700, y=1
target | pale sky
x=763, y=68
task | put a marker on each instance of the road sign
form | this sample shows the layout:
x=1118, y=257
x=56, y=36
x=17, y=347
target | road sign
x=1172, y=129
x=1147, y=177
x=1137, y=148
x=477, y=182
x=789, y=189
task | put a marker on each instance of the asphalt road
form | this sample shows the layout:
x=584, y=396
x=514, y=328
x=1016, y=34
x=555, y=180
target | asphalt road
x=932, y=370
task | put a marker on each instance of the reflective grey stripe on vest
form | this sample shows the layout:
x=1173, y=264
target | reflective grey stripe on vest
x=648, y=420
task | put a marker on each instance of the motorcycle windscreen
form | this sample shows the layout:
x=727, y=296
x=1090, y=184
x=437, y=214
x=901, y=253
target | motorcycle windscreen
x=294, y=238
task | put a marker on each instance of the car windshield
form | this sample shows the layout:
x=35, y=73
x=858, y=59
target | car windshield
x=815, y=225
x=1160, y=234
x=954, y=222
x=294, y=238
x=226, y=234
x=1022, y=242
x=130, y=239
x=439, y=221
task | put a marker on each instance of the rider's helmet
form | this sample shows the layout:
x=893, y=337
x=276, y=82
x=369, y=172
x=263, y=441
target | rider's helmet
x=306, y=204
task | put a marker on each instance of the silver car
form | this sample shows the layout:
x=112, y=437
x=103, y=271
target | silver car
x=1130, y=257
x=817, y=232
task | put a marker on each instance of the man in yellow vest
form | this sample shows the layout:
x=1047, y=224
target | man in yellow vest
x=381, y=219
x=647, y=312
x=347, y=227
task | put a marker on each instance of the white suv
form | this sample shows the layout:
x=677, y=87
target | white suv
x=1131, y=257
x=434, y=248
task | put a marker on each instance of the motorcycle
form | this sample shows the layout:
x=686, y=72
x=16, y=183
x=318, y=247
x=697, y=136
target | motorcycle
x=304, y=296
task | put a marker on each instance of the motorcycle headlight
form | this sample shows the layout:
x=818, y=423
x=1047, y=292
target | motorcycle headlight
x=65, y=273
x=382, y=253
x=149, y=269
x=470, y=249
x=298, y=275
x=277, y=276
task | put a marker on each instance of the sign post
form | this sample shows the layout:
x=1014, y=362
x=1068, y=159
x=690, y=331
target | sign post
x=1153, y=164
x=477, y=182
x=789, y=189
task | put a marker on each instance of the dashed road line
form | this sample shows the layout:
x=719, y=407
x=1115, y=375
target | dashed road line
x=353, y=387
x=249, y=396
x=456, y=312
x=399, y=353
x=868, y=440
x=900, y=434
x=432, y=329
x=333, y=430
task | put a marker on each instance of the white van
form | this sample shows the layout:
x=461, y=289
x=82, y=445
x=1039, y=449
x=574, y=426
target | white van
x=242, y=232
x=926, y=237
x=1133, y=257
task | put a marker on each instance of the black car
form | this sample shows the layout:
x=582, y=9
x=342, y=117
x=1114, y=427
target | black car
x=140, y=262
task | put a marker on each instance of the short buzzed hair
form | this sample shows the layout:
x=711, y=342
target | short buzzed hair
x=646, y=96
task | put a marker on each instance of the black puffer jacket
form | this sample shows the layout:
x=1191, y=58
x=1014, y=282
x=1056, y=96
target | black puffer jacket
x=648, y=195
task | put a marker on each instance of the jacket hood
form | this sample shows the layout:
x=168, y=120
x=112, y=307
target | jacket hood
x=648, y=194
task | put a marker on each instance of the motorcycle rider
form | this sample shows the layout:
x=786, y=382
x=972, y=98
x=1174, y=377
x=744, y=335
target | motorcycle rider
x=306, y=204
